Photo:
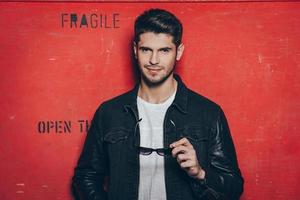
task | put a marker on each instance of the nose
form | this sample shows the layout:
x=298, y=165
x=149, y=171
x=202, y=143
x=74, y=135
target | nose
x=154, y=59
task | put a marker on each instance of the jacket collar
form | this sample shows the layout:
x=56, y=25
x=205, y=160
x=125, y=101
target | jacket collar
x=181, y=97
x=180, y=101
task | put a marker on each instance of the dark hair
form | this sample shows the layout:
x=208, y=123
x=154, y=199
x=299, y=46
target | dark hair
x=158, y=21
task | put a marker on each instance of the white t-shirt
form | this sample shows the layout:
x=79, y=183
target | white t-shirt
x=152, y=174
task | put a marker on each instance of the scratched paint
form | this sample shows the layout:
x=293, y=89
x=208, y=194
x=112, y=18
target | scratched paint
x=245, y=56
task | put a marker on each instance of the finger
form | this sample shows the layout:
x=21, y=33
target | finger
x=179, y=150
x=184, y=141
x=187, y=164
x=191, y=170
x=182, y=158
x=187, y=156
x=183, y=149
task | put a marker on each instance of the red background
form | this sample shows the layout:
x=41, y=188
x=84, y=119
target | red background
x=243, y=55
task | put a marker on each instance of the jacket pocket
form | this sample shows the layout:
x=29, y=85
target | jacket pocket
x=198, y=137
x=195, y=133
x=117, y=144
x=116, y=135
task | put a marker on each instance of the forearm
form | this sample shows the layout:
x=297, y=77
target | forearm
x=223, y=179
x=216, y=185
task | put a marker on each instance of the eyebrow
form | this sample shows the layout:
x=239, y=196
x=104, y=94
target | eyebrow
x=165, y=48
x=148, y=48
x=145, y=48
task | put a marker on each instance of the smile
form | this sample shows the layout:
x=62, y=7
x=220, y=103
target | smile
x=155, y=69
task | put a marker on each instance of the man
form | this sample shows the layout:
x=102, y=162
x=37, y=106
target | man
x=160, y=140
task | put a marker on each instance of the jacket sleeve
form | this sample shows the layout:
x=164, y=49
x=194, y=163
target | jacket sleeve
x=91, y=169
x=223, y=179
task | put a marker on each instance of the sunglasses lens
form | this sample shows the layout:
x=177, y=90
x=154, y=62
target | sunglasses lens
x=160, y=152
x=145, y=151
x=164, y=152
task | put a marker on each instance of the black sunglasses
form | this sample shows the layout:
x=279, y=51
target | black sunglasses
x=147, y=151
x=160, y=151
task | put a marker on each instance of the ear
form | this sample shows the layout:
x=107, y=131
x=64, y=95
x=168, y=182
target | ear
x=135, y=49
x=180, y=50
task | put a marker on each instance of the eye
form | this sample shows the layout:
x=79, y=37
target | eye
x=144, y=50
x=165, y=50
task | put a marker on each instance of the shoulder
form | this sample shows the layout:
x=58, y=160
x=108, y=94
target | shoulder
x=198, y=102
x=195, y=101
x=117, y=102
x=203, y=109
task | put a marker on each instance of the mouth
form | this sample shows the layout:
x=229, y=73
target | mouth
x=153, y=69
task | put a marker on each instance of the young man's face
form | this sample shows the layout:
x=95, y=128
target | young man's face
x=156, y=55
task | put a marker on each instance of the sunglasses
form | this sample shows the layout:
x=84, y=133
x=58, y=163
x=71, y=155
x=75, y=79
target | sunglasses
x=160, y=151
x=147, y=151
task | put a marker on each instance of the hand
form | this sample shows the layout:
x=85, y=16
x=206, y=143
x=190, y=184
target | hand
x=186, y=157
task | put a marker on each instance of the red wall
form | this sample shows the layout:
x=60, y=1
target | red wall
x=243, y=55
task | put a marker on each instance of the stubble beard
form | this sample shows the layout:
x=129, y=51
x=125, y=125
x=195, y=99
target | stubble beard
x=155, y=83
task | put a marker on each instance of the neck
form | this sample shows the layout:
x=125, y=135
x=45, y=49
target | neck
x=159, y=93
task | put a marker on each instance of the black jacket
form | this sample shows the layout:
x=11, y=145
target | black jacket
x=109, y=150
